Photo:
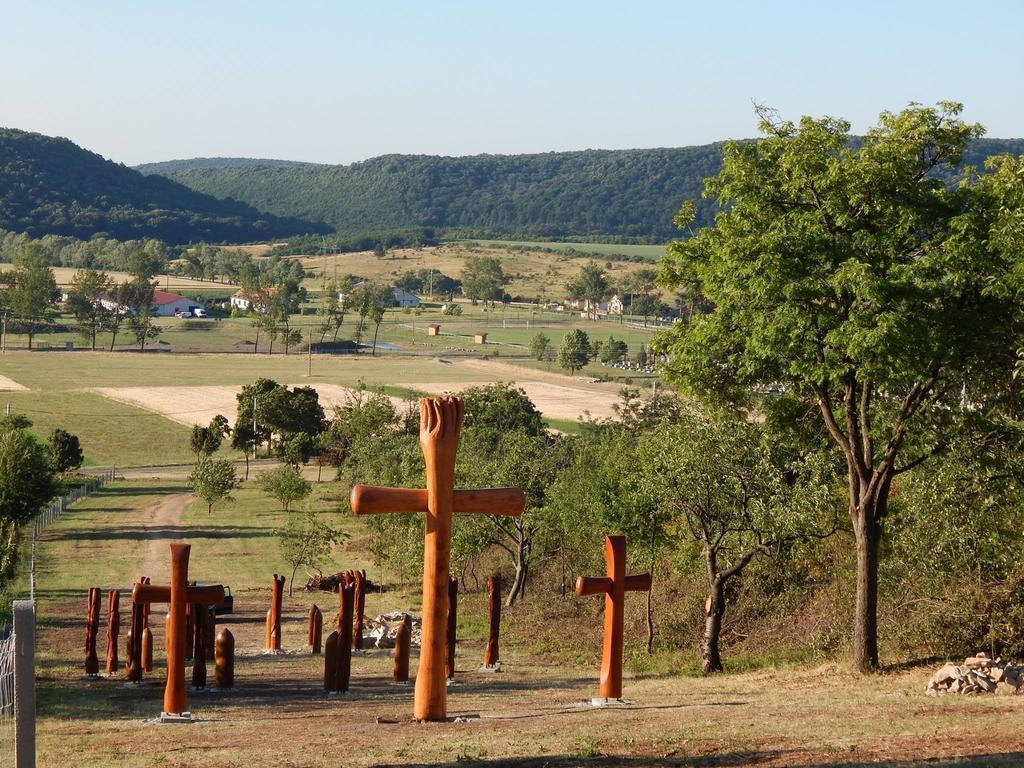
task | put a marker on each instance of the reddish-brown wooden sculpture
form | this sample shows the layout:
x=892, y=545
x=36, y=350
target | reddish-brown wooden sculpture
x=147, y=649
x=359, y=606
x=113, y=629
x=331, y=662
x=274, y=618
x=440, y=425
x=346, y=597
x=224, y=671
x=494, y=615
x=179, y=594
x=316, y=628
x=453, y=620
x=403, y=642
x=133, y=655
x=613, y=587
x=92, y=628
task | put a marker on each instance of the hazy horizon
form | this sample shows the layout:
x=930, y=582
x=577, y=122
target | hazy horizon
x=338, y=83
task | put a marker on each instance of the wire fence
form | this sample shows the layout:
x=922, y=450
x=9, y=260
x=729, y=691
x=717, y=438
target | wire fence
x=6, y=698
x=55, y=509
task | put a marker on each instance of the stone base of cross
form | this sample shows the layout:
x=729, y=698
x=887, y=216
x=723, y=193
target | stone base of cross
x=613, y=586
x=179, y=594
x=440, y=426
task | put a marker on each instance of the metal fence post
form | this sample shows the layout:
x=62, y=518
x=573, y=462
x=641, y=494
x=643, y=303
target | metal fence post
x=24, y=684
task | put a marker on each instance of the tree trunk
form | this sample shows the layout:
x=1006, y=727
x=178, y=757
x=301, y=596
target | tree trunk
x=373, y=352
x=519, y=581
x=256, y=346
x=868, y=534
x=246, y=454
x=712, y=659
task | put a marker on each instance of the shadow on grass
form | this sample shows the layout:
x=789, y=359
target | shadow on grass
x=738, y=757
x=170, y=532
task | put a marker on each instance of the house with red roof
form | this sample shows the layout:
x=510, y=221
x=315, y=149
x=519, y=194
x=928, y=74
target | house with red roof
x=165, y=304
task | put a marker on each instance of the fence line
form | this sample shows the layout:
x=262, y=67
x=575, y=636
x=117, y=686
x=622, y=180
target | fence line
x=6, y=697
x=55, y=509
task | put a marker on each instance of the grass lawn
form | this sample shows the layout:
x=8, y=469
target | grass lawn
x=649, y=252
x=535, y=713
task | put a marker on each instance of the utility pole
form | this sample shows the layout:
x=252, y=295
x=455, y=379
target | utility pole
x=3, y=336
x=309, y=348
x=8, y=409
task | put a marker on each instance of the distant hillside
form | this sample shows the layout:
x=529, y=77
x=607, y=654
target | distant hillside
x=609, y=194
x=52, y=186
x=167, y=167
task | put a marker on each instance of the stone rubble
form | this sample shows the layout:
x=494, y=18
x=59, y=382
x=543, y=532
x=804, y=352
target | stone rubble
x=978, y=674
x=381, y=630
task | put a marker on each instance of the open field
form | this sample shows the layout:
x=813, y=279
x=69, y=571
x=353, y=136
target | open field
x=533, y=274
x=174, y=283
x=533, y=714
x=132, y=410
x=649, y=252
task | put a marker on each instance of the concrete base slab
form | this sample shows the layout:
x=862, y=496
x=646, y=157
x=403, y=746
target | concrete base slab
x=490, y=668
x=181, y=717
x=598, y=701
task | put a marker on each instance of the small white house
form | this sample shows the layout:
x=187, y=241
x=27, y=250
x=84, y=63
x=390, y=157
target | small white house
x=165, y=304
x=402, y=297
x=244, y=300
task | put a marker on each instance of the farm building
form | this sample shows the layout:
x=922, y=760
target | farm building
x=244, y=299
x=165, y=304
x=402, y=297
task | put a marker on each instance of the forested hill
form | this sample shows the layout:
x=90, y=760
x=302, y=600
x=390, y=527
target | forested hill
x=52, y=186
x=594, y=193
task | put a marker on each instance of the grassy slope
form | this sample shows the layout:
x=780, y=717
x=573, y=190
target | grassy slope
x=277, y=715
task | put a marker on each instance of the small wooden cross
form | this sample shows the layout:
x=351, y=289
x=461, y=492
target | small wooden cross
x=178, y=594
x=613, y=587
x=440, y=425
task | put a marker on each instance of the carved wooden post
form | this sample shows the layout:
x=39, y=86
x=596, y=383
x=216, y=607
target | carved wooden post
x=210, y=632
x=92, y=628
x=331, y=662
x=179, y=594
x=491, y=656
x=440, y=424
x=199, y=619
x=224, y=672
x=274, y=620
x=403, y=641
x=147, y=649
x=346, y=594
x=113, y=629
x=359, y=608
x=190, y=633
x=613, y=587
x=133, y=657
x=267, y=632
x=453, y=609
x=316, y=627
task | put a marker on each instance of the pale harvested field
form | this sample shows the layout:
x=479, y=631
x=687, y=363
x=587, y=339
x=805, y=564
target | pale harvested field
x=10, y=385
x=198, y=405
x=165, y=282
x=555, y=396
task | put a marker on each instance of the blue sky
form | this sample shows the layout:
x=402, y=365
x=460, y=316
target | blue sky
x=343, y=81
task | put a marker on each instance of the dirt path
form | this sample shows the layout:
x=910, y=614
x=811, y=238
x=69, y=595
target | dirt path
x=164, y=513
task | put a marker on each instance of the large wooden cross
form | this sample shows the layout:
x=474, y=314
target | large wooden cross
x=613, y=587
x=178, y=594
x=440, y=425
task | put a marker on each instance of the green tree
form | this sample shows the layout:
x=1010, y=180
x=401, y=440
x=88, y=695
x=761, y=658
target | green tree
x=501, y=408
x=206, y=441
x=87, y=288
x=31, y=289
x=879, y=296
x=540, y=345
x=483, y=279
x=574, y=352
x=611, y=350
x=286, y=484
x=590, y=285
x=716, y=479
x=307, y=540
x=213, y=480
x=646, y=306
x=65, y=451
x=27, y=483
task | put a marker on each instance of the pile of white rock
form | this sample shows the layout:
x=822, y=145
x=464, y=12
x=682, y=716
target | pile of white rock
x=978, y=674
x=384, y=628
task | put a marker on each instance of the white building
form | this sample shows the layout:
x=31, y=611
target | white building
x=244, y=300
x=402, y=297
x=165, y=304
